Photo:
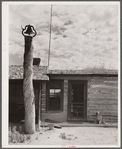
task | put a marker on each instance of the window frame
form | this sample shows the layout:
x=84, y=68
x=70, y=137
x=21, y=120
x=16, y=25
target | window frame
x=47, y=99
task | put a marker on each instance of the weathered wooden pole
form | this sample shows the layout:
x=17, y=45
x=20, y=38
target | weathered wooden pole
x=28, y=92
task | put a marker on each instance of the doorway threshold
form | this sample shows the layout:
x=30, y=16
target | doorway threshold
x=77, y=120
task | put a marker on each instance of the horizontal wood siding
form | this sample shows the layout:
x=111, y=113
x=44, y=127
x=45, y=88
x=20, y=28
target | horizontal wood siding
x=103, y=97
x=43, y=102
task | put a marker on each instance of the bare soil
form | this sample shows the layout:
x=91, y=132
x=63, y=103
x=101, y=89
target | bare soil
x=75, y=136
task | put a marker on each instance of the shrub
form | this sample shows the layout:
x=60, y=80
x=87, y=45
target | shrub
x=62, y=135
x=67, y=137
x=17, y=136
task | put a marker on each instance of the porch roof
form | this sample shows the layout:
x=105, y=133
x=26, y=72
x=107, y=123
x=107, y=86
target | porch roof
x=16, y=72
x=41, y=72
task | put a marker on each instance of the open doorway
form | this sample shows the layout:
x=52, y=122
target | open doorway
x=77, y=102
x=16, y=101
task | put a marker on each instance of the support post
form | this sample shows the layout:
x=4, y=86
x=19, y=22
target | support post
x=39, y=109
x=28, y=92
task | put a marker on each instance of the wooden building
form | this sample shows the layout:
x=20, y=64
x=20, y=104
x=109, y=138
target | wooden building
x=66, y=95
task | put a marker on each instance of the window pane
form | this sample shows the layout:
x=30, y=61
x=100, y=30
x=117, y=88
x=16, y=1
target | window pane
x=57, y=92
x=52, y=93
x=54, y=100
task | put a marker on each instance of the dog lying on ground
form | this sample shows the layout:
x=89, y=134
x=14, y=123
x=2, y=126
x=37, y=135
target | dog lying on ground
x=99, y=119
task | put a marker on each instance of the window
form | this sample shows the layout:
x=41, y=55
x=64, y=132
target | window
x=54, y=98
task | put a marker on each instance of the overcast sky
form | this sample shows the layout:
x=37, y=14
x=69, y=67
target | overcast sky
x=82, y=36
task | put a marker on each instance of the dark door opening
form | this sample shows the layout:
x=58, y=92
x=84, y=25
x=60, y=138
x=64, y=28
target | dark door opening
x=16, y=101
x=77, y=101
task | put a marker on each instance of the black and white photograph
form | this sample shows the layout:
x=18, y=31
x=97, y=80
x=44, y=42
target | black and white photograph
x=61, y=74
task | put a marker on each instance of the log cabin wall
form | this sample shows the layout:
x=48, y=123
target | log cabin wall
x=43, y=98
x=103, y=97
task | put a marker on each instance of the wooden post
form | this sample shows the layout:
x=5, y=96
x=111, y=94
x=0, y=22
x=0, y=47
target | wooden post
x=28, y=92
x=39, y=107
x=28, y=87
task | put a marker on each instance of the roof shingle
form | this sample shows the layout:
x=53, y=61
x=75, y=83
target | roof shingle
x=39, y=73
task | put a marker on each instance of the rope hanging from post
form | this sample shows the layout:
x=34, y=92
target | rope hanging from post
x=50, y=36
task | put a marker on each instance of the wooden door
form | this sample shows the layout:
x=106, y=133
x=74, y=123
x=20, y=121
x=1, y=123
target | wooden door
x=77, y=102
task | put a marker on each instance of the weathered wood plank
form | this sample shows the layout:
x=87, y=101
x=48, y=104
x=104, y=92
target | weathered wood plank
x=93, y=112
x=43, y=111
x=114, y=83
x=105, y=89
x=102, y=90
x=102, y=102
x=103, y=96
x=106, y=111
x=104, y=116
x=104, y=82
x=103, y=107
x=43, y=105
x=101, y=85
x=106, y=120
x=104, y=79
x=99, y=99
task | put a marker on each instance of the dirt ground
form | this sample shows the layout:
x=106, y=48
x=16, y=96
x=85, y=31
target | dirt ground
x=75, y=136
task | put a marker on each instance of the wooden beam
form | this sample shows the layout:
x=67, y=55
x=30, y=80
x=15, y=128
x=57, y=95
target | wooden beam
x=39, y=108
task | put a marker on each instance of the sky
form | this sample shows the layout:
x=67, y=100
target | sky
x=82, y=36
